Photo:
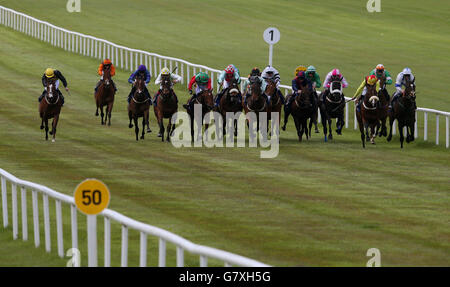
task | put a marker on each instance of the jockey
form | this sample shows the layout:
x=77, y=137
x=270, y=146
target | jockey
x=401, y=81
x=334, y=73
x=101, y=68
x=174, y=78
x=225, y=79
x=298, y=83
x=371, y=80
x=312, y=75
x=142, y=70
x=255, y=72
x=270, y=73
x=203, y=82
x=379, y=71
x=298, y=69
x=52, y=75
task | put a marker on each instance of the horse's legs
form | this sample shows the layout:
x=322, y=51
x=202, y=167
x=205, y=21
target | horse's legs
x=169, y=126
x=42, y=122
x=330, y=136
x=161, y=127
x=297, y=126
x=54, y=124
x=46, y=128
x=316, y=116
x=102, y=114
x=130, y=117
x=110, y=107
x=136, y=127
x=286, y=118
x=400, y=130
x=373, y=132
x=143, y=126
x=361, y=130
x=391, y=122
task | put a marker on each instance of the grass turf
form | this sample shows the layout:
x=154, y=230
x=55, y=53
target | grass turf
x=315, y=204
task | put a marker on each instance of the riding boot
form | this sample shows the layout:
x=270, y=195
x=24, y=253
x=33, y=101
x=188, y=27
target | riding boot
x=96, y=86
x=155, y=100
x=62, y=98
x=114, y=85
x=218, y=97
x=147, y=94
x=41, y=96
x=131, y=94
x=282, y=98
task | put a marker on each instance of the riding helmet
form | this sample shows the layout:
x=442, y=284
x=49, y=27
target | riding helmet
x=49, y=73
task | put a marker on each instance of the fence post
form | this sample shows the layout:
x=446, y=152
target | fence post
x=143, y=250
x=107, y=231
x=416, y=132
x=59, y=229
x=346, y=115
x=92, y=240
x=74, y=225
x=24, y=214
x=446, y=132
x=180, y=256
x=36, y=218
x=124, y=258
x=425, y=126
x=437, y=129
x=162, y=253
x=4, y=203
x=46, y=223
x=14, y=211
x=203, y=261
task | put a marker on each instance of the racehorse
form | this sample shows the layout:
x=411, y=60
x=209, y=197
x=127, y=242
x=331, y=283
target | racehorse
x=139, y=107
x=50, y=107
x=403, y=109
x=230, y=103
x=165, y=107
x=256, y=102
x=105, y=96
x=367, y=116
x=384, y=97
x=332, y=107
x=275, y=100
x=206, y=99
x=302, y=109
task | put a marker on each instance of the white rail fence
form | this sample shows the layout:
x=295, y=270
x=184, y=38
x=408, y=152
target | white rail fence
x=145, y=230
x=129, y=59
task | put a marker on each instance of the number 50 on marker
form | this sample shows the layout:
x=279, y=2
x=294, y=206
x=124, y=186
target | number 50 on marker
x=91, y=196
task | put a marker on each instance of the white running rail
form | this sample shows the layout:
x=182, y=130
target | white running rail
x=145, y=230
x=129, y=59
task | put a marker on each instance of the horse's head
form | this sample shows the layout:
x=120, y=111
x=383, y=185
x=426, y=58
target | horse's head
x=107, y=74
x=409, y=93
x=336, y=90
x=139, y=83
x=165, y=84
x=52, y=93
x=271, y=87
x=255, y=86
x=206, y=98
x=233, y=92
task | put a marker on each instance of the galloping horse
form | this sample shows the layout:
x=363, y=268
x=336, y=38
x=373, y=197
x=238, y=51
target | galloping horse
x=275, y=99
x=165, y=107
x=403, y=109
x=333, y=107
x=105, y=96
x=50, y=107
x=256, y=102
x=230, y=103
x=367, y=116
x=139, y=107
x=302, y=109
x=206, y=99
x=384, y=97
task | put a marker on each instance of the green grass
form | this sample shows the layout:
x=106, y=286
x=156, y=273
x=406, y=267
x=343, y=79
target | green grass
x=316, y=204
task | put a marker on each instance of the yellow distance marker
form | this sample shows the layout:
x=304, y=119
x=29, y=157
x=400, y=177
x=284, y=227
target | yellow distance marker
x=91, y=196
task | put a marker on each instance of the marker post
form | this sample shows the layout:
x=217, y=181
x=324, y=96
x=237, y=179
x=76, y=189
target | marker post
x=91, y=198
x=271, y=35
